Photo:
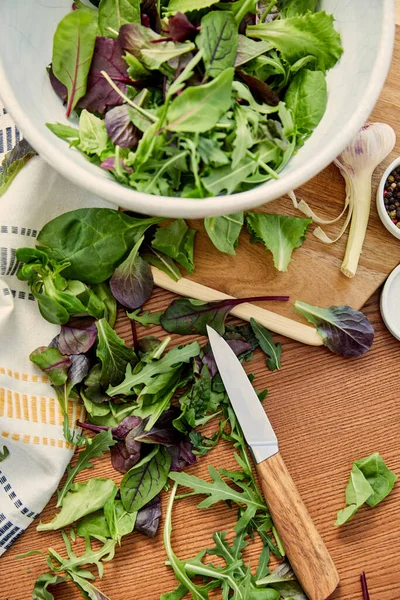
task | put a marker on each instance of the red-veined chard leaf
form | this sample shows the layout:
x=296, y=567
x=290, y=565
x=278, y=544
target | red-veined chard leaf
x=115, y=13
x=280, y=234
x=218, y=40
x=199, y=108
x=180, y=28
x=77, y=336
x=113, y=354
x=92, y=240
x=187, y=316
x=132, y=282
x=120, y=128
x=343, y=330
x=73, y=47
x=54, y=364
x=145, y=480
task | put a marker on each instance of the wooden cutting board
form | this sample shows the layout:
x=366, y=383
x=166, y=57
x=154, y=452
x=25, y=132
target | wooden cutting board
x=314, y=274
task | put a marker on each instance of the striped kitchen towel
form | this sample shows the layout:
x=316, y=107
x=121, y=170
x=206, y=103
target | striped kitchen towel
x=30, y=419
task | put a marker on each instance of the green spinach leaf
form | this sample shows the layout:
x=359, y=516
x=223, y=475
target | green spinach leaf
x=310, y=34
x=307, y=97
x=145, y=480
x=81, y=500
x=268, y=346
x=280, y=234
x=115, y=13
x=92, y=240
x=113, y=354
x=176, y=241
x=199, y=108
x=95, y=447
x=218, y=41
x=73, y=48
x=224, y=231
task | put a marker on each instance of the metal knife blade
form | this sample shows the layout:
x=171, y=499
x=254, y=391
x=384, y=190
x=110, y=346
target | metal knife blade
x=255, y=424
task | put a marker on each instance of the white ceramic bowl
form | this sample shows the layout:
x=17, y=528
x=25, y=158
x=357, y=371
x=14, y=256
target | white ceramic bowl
x=390, y=302
x=26, y=31
x=380, y=205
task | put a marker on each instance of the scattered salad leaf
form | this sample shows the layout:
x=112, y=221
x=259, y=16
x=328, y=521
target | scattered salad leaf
x=113, y=354
x=187, y=316
x=145, y=480
x=40, y=591
x=163, y=262
x=73, y=48
x=343, y=330
x=145, y=318
x=176, y=241
x=148, y=517
x=94, y=447
x=82, y=499
x=132, y=281
x=370, y=482
x=280, y=234
x=53, y=363
x=80, y=235
x=4, y=452
x=13, y=163
x=77, y=336
x=224, y=231
x=268, y=346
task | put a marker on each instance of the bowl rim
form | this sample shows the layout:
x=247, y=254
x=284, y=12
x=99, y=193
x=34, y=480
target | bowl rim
x=383, y=215
x=395, y=331
x=198, y=208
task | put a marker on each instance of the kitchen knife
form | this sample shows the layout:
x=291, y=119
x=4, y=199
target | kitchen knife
x=304, y=546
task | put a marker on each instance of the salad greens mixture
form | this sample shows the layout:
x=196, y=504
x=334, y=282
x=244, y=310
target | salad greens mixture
x=192, y=98
x=148, y=404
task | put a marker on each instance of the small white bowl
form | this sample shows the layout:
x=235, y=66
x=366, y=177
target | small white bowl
x=380, y=205
x=390, y=303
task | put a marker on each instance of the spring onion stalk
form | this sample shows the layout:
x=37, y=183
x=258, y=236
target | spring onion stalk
x=356, y=163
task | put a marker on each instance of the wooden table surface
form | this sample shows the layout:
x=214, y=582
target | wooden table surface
x=327, y=412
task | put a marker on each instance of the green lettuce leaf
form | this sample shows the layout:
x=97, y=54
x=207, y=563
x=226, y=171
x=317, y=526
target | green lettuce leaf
x=115, y=13
x=185, y=6
x=92, y=134
x=307, y=96
x=280, y=234
x=224, y=231
x=310, y=34
x=13, y=163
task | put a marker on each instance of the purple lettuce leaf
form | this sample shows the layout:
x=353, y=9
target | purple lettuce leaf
x=78, y=370
x=77, y=336
x=182, y=455
x=120, y=127
x=180, y=28
x=238, y=346
x=163, y=432
x=149, y=10
x=109, y=165
x=260, y=89
x=148, y=517
x=122, y=458
x=99, y=94
x=132, y=282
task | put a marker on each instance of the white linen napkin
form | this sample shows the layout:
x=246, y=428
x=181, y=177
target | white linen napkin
x=30, y=419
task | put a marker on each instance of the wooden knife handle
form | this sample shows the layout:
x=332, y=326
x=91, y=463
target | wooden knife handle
x=304, y=547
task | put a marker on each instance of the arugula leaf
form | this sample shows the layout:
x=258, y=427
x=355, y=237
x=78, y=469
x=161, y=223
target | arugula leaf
x=4, y=452
x=218, y=41
x=199, y=108
x=53, y=363
x=370, y=482
x=92, y=134
x=115, y=13
x=224, y=231
x=217, y=490
x=176, y=356
x=13, y=163
x=307, y=97
x=94, y=447
x=280, y=234
x=344, y=330
x=64, y=132
x=73, y=48
x=40, y=591
x=145, y=318
x=132, y=281
x=113, y=354
x=145, y=480
x=81, y=500
x=185, y=6
x=92, y=240
x=310, y=34
x=187, y=316
x=268, y=346
x=176, y=241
